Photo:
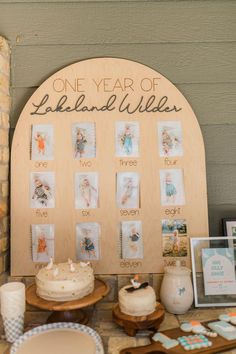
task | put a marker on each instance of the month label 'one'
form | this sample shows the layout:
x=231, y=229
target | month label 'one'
x=41, y=164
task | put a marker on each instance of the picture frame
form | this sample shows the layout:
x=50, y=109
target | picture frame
x=213, y=271
x=229, y=226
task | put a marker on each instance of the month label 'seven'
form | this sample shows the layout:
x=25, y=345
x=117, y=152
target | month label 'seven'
x=129, y=212
x=41, y=213
x=173, y=211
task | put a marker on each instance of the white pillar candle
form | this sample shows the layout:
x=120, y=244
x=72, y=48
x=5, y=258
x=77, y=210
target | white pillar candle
x=12, y=299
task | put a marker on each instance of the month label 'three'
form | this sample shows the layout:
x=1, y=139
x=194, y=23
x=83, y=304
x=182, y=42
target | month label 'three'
x=129, y=163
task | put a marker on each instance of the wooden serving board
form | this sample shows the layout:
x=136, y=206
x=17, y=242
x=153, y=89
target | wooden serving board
x=219, y=345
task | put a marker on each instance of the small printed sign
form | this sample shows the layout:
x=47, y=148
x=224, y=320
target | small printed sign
x=218, y=271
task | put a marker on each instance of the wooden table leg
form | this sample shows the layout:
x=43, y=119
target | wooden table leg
x=77, y=316
x=130, y=331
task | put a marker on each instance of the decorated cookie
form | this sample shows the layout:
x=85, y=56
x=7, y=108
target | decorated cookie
x=224, y=329
x=196, y=341
x=228, y=317
x=197, y=328
x=166, y=342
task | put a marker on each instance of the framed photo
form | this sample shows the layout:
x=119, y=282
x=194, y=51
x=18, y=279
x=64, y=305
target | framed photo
x=84, y=140
x=172, y=187
x=42, y=142
x=86, y=190
x=127, y=190
x=213, y=267
x=132, y=243
x=229, y=226
x=174, y=238
x=42, y=242
x=127, y=139
x=42, y=190
x=170, y=138
x=87, y=241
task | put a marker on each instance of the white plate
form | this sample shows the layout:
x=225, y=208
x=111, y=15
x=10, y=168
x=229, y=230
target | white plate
x=87, y=334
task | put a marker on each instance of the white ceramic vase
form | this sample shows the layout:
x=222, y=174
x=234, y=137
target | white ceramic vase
x=176, y=290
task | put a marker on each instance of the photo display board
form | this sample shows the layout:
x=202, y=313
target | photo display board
x=108, y=166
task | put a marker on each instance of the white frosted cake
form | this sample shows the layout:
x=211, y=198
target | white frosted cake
x=64, y=281
x=140, y=302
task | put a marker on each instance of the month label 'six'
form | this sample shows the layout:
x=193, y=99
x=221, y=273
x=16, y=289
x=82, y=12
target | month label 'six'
x=85, y=213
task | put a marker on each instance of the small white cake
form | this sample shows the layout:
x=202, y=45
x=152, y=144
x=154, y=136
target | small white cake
x=141, y=302
x=64, y=281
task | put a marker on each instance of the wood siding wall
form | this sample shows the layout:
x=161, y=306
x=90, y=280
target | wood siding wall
x=191, y=42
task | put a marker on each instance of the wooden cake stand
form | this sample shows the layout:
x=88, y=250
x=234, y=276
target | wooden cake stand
x=68, y=311
x=132, y=324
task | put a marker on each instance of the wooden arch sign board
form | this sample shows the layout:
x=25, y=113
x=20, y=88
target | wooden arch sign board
x=108, y=166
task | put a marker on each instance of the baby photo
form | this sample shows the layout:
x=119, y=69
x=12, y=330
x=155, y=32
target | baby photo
x=86, y=190
x=174, y=238
x=42, y=142
x=42, y=242
x=42, y=190
x=127, y=194
x=87, y=241
x=84, y=140
x=131, y=239
x=170, y=138
x=172, y=187
x=127, y=139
